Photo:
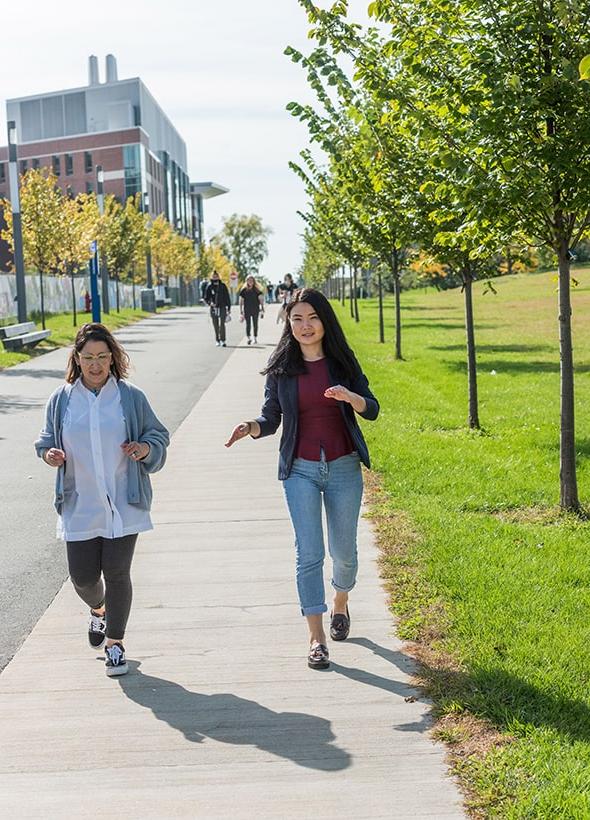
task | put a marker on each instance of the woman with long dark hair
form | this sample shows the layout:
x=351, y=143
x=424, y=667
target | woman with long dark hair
x=251, y=307
x=104, y=439
x=315, y=385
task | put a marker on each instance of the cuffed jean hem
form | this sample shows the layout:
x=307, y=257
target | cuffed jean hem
x=342, y=589
x=314, y=610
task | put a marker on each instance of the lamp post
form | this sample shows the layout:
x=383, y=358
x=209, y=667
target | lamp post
x=104, y=273
x=148, y=256
x=147, y=295
x=17, y=231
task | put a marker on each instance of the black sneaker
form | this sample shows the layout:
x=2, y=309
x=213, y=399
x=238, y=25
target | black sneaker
x=115, y=663
x=97, y=630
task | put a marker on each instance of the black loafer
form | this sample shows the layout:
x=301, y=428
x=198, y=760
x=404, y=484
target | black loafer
x=340, y=626
x=318, y=657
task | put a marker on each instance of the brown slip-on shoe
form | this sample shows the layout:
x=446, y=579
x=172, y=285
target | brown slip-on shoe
x=340, y=626
x=318, y=656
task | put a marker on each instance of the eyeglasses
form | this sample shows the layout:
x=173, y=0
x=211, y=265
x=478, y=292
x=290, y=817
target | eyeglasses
x=101, y=358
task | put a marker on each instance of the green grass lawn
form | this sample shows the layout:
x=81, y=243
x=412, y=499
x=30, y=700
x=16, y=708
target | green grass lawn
x=486, y=576
x=63, y=332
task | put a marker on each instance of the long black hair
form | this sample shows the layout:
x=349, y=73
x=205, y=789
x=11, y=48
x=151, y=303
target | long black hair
x=287, y=358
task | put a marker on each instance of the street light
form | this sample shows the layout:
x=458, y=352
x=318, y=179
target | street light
x=104, y=273
x=17, y=230
x=148, y=256
x=147, y=295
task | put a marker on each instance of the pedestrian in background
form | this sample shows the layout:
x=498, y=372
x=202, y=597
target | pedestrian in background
x=218, y=298
x=315, y=385
x=251, y=307
x=103, y=437
x=286, y=290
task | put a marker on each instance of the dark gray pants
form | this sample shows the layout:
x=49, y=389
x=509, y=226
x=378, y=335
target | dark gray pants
x=89, y=561
x=251, y=318
x=218, y=318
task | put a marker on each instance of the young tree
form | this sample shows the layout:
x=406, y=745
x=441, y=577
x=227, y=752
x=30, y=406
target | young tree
x=211, y=258
x=42, y=224
x=244, y=241
x=79, y=224
x=121, y=237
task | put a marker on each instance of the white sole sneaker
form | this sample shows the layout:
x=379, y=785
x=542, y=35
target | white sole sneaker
x=115, y=662
x=115, y=671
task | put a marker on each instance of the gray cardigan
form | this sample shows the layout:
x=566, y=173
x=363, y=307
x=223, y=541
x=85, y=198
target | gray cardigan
x=142, y=425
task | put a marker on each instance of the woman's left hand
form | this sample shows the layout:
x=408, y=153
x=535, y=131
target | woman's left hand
x=339, y=393
x=136, y=449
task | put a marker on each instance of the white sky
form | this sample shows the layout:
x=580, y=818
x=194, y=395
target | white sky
x=216, y=68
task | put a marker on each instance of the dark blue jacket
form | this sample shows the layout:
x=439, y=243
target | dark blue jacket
x=281, y=399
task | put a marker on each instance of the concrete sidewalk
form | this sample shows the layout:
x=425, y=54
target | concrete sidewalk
x=220, y=716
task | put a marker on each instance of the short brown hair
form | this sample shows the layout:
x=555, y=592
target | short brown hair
x=95, y=332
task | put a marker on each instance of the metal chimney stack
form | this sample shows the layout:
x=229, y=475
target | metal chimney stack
x=111, y=65
x=93, y=78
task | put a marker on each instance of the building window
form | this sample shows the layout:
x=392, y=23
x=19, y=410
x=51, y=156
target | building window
x=56, y=165
x=35, y=163
x=69, y=159
x=132, y=164
x=2, y=172
x=87, y=162
x=88, y=187
x=23, y=166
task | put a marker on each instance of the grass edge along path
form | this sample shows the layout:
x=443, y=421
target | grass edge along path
x=63, y=332
x=489, y=583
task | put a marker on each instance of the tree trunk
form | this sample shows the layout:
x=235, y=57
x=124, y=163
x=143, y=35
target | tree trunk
x=398, y=309
x=508, y=261
x=473, y=419
x=567, y=436
x=380, y=291
x=117, y=291
x=73, y=296
x=42, y=299
x=343, y=286
x=351, y=294
x=356, y=301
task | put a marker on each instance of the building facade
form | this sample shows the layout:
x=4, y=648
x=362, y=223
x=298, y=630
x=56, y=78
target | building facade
x=116, y=124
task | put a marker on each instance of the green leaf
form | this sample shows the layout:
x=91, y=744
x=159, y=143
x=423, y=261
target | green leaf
x=584, y=68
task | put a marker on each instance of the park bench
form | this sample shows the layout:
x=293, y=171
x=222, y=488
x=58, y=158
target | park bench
x=24, y=334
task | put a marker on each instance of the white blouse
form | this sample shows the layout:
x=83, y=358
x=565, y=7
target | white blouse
x=95, y=481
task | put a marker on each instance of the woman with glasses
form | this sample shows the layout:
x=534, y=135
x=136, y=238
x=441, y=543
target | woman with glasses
x=104, y=439
x=315, y=385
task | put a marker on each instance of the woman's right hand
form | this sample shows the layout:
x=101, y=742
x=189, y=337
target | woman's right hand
x=241, y=431
x=54, y=457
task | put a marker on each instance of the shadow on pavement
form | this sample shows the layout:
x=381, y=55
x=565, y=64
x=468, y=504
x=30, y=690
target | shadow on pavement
x=305, y=739
x=33, y=373
x=14, y=404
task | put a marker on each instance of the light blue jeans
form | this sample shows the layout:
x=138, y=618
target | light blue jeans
x=340, y=482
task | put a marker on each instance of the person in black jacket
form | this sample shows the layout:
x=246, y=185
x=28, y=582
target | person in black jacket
x=315, y=386
x=218, y=299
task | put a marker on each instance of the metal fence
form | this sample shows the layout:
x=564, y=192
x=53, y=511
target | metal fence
x=57, y=294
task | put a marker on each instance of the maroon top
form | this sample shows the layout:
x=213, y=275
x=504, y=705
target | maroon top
x=320, y=419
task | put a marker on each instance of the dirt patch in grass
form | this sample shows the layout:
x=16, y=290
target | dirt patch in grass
x=548, y=516
x=423, y=623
